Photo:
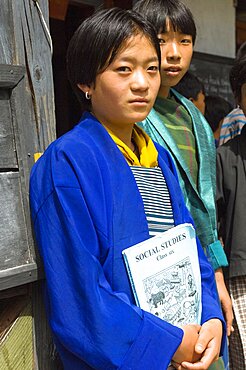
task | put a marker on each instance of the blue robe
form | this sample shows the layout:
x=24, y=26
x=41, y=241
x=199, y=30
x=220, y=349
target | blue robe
x=86, y=208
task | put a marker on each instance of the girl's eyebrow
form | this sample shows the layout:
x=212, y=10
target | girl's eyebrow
x=130, y=59
x=180, y=32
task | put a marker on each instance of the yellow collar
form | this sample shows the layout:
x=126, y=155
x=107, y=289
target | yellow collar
x=147, y=151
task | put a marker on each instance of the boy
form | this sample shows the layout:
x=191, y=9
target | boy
x=179, y=127
x=231, y=203
x=216, y=110
x=192, y=88
x=233, y=123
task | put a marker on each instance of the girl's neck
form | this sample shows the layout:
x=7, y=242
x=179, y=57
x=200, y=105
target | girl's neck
x=122, y=131
x=124, y=134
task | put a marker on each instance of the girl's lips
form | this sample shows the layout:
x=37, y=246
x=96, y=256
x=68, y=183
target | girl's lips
x=139, y=101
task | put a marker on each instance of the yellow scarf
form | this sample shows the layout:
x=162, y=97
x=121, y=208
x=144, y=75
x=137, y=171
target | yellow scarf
x=147, y=151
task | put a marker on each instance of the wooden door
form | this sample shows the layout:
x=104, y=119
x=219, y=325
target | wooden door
x=27, y=126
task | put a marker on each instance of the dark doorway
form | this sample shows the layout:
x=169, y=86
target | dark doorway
x=68, y=111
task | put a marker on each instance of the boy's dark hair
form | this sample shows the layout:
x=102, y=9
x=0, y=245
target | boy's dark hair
x=216, y=109
x=97, y=41
x=158, y=11
x=190, y=86
x=238, y=77
x=241, y=51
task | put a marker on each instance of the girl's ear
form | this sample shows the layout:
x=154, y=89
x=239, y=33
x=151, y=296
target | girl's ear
x=84, y=88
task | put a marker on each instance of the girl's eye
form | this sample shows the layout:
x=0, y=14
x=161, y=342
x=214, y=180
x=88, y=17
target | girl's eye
x=123, y=69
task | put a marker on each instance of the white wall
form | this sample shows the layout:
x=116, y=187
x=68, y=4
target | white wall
x=215, y=21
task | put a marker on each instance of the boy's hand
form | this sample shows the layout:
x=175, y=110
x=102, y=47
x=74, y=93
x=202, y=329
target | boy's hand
x=207, y=346
x=186, y=350
x=225, y=300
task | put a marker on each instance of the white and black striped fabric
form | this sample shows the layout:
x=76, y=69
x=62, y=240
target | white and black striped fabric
x=156, y=199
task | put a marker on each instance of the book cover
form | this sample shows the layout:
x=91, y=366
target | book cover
x=164, y=273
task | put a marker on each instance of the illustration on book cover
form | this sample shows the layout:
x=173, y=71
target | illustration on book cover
x=172, y=294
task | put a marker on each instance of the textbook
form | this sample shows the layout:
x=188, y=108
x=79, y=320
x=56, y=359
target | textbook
x=165, y=276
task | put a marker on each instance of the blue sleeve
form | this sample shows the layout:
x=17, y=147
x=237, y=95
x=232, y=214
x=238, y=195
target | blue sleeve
x=92, y=324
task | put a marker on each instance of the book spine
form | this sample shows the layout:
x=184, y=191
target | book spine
x=131, y=279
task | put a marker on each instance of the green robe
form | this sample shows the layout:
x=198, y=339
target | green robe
x=200, y=198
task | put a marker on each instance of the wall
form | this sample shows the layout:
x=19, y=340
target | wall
x=215, y=20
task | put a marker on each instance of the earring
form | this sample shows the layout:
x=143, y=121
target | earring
x=87, y=96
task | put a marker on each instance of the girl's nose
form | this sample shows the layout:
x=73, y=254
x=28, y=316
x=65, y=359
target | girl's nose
x=140, y=81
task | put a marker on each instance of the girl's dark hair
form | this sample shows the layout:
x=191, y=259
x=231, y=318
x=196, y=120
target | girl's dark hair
x=238, y=77
x=216, y=109
x=97, y=41
x=158, y=11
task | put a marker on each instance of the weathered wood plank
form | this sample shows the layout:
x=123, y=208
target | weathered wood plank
x=10, y=75
x=36, y=56
x=19, y=275
x=10, y=313
x=16, y=348
x=34, y=111
x=6, y=32
x=13, y=238
x=14, y=292
x=8, y=157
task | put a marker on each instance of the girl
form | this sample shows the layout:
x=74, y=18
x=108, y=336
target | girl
x=87, y=207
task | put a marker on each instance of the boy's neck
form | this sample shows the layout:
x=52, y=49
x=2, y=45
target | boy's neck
x=164, y=91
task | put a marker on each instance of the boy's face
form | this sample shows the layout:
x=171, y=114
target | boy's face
x=243, y=98
x=199, y=102
x=176, y=54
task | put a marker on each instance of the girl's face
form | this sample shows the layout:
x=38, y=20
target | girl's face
x=176, y=54
x=126, y=90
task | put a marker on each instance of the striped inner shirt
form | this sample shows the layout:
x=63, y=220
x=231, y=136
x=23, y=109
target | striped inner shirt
x=156, y=199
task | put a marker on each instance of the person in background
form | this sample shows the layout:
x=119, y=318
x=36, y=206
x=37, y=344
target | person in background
x=216, y=110
x=233, y=123
x=193, y=89
x=231, y=205
x=87, y=205
x=179, y=126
